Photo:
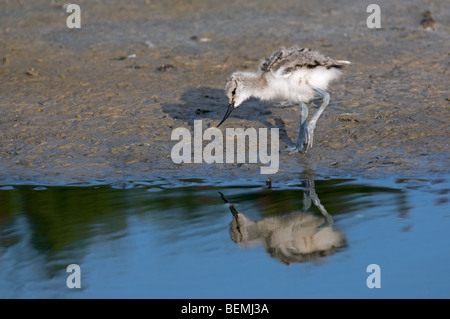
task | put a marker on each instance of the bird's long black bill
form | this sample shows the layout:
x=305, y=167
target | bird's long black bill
x=230, y=109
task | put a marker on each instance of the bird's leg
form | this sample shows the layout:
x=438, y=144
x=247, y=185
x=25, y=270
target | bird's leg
x=302, y=131
x=310, y=195
x=312, y=123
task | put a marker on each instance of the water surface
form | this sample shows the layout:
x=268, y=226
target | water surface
x=172, y=240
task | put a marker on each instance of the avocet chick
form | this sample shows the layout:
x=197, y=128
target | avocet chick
x=294, y=75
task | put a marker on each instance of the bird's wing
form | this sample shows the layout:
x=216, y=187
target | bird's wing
x=268, y=63
x=285, y=62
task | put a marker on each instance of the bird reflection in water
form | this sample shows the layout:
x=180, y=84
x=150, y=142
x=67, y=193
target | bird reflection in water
x=297, y=237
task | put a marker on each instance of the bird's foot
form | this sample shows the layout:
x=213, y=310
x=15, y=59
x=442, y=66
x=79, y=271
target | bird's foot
x=293, y=149
x=304, y=142
x=296, y=149
x=309, y=138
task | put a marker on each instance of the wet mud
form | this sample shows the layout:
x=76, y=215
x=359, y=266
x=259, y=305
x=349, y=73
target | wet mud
x=100, y=103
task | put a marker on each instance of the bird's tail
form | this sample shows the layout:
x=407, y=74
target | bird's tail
x=342, y=62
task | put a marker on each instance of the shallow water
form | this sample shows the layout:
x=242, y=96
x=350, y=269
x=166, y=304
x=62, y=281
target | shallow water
x=172, y=240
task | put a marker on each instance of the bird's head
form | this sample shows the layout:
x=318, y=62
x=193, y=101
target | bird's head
x=237, y=92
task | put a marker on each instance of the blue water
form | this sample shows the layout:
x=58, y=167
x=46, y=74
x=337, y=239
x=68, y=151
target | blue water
x=172, y=240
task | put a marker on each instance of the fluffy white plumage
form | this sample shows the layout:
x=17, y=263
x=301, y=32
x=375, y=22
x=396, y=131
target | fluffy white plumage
x=294, y=75
x=296, y=86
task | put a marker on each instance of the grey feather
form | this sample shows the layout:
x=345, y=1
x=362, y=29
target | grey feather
x=286, y=61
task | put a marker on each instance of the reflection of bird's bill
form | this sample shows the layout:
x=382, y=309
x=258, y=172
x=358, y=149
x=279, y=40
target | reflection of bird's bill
x=230, y=109
x=232, y=209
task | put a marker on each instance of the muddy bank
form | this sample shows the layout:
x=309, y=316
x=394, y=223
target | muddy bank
x=76, y=108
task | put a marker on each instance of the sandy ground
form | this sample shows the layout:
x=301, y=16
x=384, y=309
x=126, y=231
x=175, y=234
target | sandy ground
x=74, y=109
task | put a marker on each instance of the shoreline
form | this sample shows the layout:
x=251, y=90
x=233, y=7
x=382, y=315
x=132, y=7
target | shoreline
x=76, y=108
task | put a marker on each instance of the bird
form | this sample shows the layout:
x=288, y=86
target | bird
x=294, y=75
x=299, y=236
